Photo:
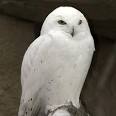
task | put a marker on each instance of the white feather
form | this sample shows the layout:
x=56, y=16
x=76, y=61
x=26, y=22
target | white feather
x=56, y=64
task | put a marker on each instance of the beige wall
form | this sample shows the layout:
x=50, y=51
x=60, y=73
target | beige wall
x=15, y=36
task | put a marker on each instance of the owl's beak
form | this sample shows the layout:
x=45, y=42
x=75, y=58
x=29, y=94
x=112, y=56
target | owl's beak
x=73, y=31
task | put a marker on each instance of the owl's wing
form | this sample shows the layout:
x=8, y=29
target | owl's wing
x=29, y=57
x=30, y=102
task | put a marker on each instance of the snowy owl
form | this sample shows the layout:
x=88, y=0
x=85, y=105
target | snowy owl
x=56, y=64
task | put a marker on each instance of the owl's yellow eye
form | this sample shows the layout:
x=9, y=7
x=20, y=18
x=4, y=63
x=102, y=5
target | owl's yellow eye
x=80, y=22
x=61, y=22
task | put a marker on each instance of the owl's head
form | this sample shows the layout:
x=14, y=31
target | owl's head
x=66, y=19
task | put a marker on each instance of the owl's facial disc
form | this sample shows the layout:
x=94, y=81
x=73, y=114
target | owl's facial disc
x=69, y=26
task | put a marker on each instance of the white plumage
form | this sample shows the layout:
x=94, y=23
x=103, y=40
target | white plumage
x=55, y=65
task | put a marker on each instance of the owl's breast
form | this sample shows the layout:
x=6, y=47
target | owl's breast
x=64, y=65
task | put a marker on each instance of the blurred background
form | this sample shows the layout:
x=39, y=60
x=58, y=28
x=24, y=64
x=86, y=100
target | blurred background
x=20, y=24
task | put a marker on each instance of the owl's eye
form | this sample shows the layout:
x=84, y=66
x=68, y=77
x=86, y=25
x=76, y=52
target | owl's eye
x=61, y=22
x=80, y=22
